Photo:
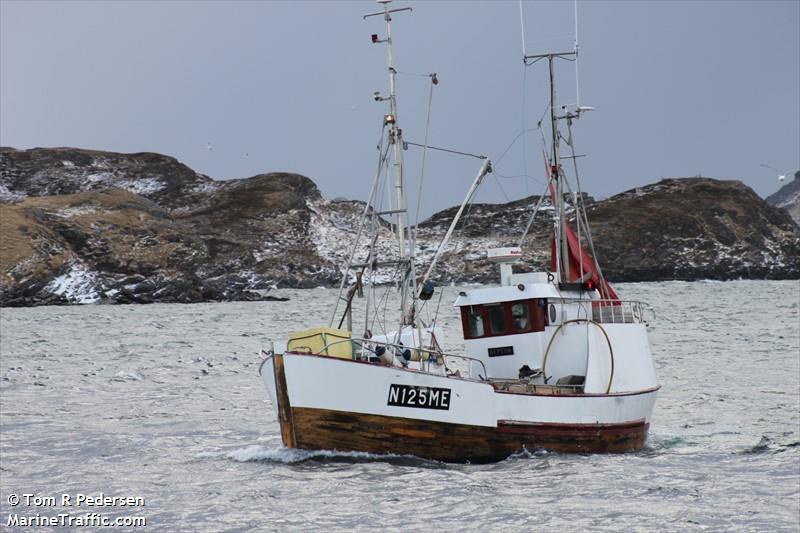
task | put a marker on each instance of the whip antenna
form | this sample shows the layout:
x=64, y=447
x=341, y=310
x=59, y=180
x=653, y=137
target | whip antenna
x=577, y=47
x=522, y=28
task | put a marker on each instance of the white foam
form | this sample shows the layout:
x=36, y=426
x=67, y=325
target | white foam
x=255, y=453
x=129, y=375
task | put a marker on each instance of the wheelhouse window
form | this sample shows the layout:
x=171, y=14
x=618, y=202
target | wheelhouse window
x=497, y=319
x=508, y=318
x=474, y=321
x=520, y=316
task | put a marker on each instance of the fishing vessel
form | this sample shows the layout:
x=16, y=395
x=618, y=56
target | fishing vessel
x=551, y=360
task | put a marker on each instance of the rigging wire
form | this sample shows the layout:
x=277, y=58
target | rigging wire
x=415, y=74
x=577, y=211
x=497, y=161
x=469, y=211
x=502, y=190
x=522, y=114
x=578, y=200
x=445, y=150
x=424, y=154
x=382, y=158
x=518, y=176
x=438, y=304
x=533, y=216
x=384, y=301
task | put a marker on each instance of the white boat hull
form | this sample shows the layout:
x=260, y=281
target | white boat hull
x=329, y=403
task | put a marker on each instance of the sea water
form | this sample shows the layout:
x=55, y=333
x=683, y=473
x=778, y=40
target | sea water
x=161, y=406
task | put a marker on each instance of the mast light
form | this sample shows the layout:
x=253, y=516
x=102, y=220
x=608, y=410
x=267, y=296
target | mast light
x=389, y=119
x=374, y=37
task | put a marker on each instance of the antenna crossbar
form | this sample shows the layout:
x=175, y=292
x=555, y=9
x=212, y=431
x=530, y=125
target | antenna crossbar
x=385, y=13
x=551, y=54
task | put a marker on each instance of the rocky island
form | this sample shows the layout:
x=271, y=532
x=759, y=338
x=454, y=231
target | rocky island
x=83, y=226
x=788, y=197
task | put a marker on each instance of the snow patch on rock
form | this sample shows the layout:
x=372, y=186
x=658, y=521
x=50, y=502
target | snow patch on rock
x=142, y=186
x=76, y=211
x=77, y=285
x=8, y=196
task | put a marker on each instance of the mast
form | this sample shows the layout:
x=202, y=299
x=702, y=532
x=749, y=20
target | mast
x=396, y=139
x=556, y=173
x=562, y=251
x=395, y=134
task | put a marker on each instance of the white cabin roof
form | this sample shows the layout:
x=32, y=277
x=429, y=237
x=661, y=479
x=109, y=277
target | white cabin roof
x=509, y=293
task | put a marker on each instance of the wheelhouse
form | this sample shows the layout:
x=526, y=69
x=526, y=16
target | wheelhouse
x=504, y=318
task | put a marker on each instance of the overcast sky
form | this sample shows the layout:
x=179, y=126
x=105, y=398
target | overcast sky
x=680, y=88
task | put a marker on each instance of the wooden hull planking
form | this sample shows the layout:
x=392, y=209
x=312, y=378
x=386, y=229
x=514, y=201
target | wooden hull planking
x=316, y=429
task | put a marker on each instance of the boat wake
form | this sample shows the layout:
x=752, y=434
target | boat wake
x=659, y=443
x=281, y=454
x=529, y=454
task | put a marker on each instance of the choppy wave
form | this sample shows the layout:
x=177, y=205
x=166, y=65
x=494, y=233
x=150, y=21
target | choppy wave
x=165, y=402
x=768, y=445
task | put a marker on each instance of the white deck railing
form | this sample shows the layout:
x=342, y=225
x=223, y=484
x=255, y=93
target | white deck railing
x=367, y=346
x=608, y=311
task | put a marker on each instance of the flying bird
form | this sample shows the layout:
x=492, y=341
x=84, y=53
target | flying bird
x=781, y=176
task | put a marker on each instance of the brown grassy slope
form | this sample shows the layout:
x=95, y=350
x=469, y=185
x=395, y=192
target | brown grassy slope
x=28, y=248
x=114, y=230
